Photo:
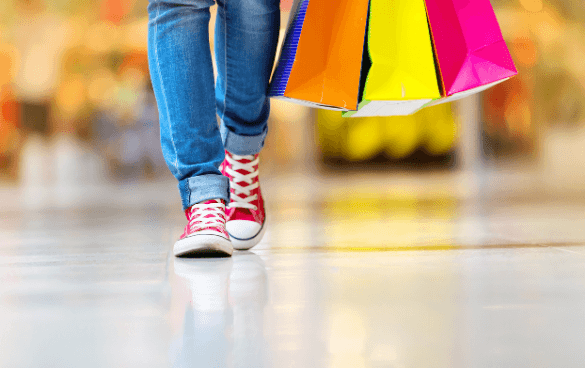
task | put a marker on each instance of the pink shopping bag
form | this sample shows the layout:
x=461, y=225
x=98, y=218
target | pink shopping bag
x=469, y=47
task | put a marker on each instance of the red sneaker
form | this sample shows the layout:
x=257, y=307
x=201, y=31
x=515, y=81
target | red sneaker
x=245, y=213
x=205, y=232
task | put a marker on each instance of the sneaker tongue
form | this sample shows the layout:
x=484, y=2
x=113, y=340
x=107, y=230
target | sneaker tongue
x=189, y=213
x=241, y=214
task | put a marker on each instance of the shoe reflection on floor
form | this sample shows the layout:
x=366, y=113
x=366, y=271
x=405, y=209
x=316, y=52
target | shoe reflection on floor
x=223, y=325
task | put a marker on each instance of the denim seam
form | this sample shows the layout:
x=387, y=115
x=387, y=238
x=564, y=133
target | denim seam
x=164, y=95
x=188, y=190
x=225, y=60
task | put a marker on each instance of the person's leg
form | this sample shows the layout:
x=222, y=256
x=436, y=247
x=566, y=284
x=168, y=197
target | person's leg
x=182, y=77
x=246, y=36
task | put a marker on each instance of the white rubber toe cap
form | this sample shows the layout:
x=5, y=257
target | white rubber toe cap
x=244, y=234
x=203, y=244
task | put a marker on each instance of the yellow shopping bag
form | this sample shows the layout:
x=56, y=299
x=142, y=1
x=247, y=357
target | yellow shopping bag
x=402, y=77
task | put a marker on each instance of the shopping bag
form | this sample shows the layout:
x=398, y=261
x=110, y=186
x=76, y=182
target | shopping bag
x=321, y=57
x=402, y=77
x=470, y=51
x=391, y=58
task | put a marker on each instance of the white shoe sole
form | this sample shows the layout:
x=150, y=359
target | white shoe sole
x=203, y=244
x=245, y=244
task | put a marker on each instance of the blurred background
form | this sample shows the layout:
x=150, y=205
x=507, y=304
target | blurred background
x=355, y=268
x=77, y=110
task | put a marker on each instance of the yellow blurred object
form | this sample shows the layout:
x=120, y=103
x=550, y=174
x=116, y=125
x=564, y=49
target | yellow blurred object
x=441, y=137
x=441, y=129
x=402, y=135
x=331, y=132
x=364, y=139
x=361, y=139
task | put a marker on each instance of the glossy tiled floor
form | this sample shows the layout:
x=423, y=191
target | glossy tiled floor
x=352, y=276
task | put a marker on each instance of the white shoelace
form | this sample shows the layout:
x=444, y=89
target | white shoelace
x=200, y=211
x=242, y=195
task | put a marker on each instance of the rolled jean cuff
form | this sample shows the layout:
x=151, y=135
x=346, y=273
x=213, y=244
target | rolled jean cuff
x=203, y=188
x=242, y=144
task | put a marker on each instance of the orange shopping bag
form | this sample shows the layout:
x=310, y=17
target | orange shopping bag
x=321, y=59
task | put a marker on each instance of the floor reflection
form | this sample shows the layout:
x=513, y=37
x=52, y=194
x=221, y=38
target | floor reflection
x=223, y=324
x=339, y=281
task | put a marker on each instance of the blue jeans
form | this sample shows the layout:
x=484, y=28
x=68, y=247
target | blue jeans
x=188, y=98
